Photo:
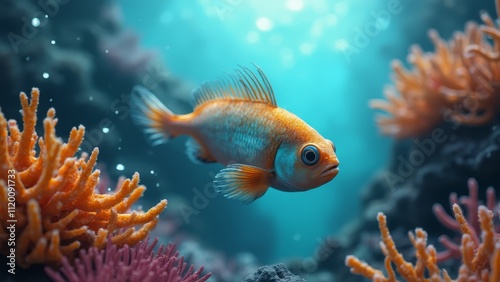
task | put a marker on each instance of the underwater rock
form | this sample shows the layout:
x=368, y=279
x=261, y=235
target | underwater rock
x=423, y=172
x=273, y=273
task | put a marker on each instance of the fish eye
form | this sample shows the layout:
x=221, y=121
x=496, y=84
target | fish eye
x=310, y=155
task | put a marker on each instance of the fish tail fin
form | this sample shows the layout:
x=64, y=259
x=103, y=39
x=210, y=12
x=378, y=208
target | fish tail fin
x=151, y=115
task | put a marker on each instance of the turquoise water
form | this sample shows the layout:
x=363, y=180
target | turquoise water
x=303, y=46
x=325, y=60
x=300, y=47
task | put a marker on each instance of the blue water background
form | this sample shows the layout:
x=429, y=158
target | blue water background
x=301, y=45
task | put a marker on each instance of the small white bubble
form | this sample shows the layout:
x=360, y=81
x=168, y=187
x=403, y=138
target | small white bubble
x=105, y=129
x=50, y=100
x=53, y=42
x=117, y=112
x=106, y=51
x=120, y=167
x=152, y=172
x=45, y=75
x=157, y=184
x=119, y=148
x=264, y=24
x=109, y=189
x=78, y=39
x=295, y=5
x=35, y=22
x=91, y=98
x=46, y=16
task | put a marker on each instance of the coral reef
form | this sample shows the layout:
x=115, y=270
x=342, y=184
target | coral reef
x=481, y=261
x=457, y=83
x=471, y=204
x=131, y=264
x=273, y=273
x=57, y=209
x=411, y=204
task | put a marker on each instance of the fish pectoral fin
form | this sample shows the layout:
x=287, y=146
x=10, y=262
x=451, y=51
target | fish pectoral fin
x=241, y=182
x=197, y=152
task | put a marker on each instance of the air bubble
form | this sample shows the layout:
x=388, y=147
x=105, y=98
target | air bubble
x=35, y=22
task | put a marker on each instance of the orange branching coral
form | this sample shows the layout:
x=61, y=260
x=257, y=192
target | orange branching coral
x=480, y=262
x=457, y=83
x=47, y=199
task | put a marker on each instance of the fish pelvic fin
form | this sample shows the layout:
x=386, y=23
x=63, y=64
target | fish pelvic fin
x=197, y=153
x=151, y=115
x=241, y=182
x=243, y=84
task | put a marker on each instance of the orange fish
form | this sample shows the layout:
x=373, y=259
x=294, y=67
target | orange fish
x=237, y=122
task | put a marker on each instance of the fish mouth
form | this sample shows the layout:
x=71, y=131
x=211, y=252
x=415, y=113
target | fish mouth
x=331, y=169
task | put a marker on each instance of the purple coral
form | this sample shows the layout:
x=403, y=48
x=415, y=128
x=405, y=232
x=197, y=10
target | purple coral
x=471, y=203
x=129, y=264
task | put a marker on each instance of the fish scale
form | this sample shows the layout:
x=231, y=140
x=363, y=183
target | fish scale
x=248, y=136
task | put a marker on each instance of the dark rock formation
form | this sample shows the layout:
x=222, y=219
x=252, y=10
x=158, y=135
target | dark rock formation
x=273, y=273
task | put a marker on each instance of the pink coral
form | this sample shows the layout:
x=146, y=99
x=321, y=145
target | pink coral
x=471, y=204
x=129, y=264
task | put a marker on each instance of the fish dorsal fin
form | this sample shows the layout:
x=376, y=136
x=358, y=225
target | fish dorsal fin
x=243, y=84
